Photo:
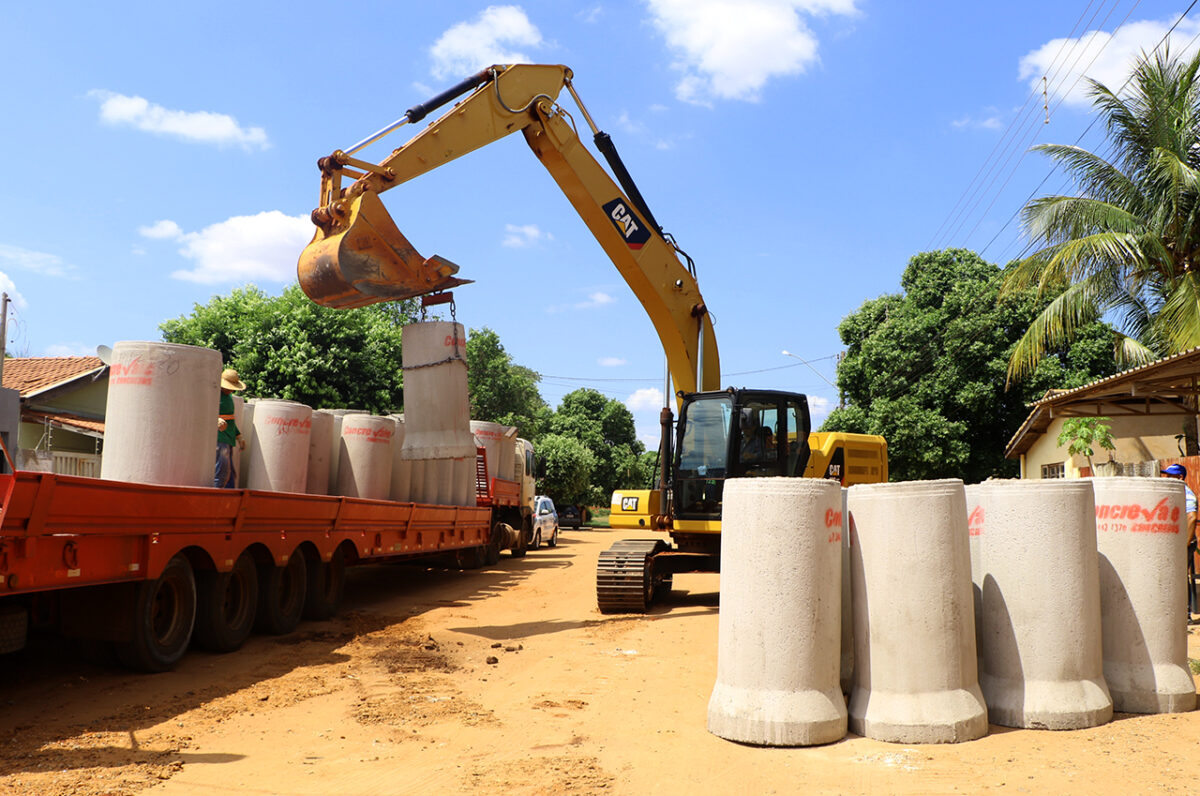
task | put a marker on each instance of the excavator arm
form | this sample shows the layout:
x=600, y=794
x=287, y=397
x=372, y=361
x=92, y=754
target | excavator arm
x=358, y=256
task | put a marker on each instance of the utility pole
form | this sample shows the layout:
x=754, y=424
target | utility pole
x=3, y=332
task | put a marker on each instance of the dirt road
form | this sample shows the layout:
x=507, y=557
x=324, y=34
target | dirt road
x=397, y=696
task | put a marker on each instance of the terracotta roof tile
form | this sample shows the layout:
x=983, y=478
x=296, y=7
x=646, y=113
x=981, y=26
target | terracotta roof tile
x=29, y=375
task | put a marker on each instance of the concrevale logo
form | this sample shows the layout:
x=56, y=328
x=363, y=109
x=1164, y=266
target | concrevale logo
x=455, y=342
x=975, y=522
x=833, y=519
x=370, y=435
x=135, y=371
x=1157, y=519
x=289, y=425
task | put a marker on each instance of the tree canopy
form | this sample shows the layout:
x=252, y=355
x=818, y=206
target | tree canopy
x=604, y=426
x=501, y=390
x=1128, y=246
x=926, y=368
x=289, y=347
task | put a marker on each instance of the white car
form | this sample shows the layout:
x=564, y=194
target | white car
x=545, y=522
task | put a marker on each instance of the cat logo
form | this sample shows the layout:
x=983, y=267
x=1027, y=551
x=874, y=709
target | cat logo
x=629, y=503
x=632, y=228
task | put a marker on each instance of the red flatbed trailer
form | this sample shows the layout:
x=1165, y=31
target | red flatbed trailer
x=139, y=565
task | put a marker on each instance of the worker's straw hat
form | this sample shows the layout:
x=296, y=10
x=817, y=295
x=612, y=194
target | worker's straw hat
x=230, y=380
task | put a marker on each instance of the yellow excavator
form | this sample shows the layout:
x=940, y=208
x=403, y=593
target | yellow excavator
x=358, y=256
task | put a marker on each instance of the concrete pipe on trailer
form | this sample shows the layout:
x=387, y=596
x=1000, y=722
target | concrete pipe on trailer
x=401, y=467
x=1042, y=654
x=365, y=466
x=335, y=446
x=245, y=423
x=915, y=675
x=278, y=462
x=320, y=444
x=1141, y=534
x=779, y=629
x=437, y=414
x=161, y=414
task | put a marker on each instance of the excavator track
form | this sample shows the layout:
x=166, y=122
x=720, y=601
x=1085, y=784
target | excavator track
x=625, y=581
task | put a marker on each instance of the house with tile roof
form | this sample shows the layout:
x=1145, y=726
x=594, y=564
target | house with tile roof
x=62, y=403
x=1152, y=410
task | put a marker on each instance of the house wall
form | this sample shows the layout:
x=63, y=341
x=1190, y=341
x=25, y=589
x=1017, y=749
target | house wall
x=87, y=400
x=1137, y=439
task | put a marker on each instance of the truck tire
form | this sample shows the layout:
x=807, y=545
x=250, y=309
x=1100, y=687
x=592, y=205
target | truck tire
x=326, y=581
x=14, y=627
x=281, y=594
x=522, y=545
x=164, y=614
x=491, y=552
x=226, y=603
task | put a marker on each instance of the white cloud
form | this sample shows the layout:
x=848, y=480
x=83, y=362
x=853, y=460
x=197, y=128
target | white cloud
x=161, y=230
x=202, y=127
x=590, y=15
x=10, y=287
x=818, y=409
x=470, y=46
x=645, y=400
x=38, y=262
x=729, y=49
x=69, y=350
x=521, y=236
x=596, y=299
x=990, y=120
x=243, y=248
x=610, y=362
x=1106, y=57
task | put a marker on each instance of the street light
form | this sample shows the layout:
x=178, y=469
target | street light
x=810, y=367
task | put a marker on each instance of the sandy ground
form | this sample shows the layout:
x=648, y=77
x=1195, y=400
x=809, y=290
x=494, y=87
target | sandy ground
x=397, y=696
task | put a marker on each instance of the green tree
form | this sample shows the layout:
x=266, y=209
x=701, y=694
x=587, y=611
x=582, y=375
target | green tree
x=566, y=469
x=288, y=347
x=604, y=427
x=502, y=391
x=1128, y=246
x=1084, y=434
x=926, y=368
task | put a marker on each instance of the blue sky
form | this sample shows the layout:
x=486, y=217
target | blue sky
x=801, y=151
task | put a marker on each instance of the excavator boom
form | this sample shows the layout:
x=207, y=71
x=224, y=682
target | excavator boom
x=358, y=255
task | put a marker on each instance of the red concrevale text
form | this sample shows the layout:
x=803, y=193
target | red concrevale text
x=135, y=371
x=371, y=435
x=450, y=342
x=1156, y=519
x=289, y=425
x=975, y=522
x=833, y=518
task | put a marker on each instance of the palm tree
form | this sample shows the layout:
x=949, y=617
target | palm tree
x=1128, y=247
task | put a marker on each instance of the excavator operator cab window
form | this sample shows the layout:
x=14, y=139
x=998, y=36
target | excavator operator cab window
x=703, y=450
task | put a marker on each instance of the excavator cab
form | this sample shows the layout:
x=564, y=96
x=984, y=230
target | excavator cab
x=735, y=434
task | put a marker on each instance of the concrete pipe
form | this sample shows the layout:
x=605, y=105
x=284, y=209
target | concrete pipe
x=915, y=675
x=779, y=626
x=320, y=445
x=847, y=656
x=1141, y=533
x=1042, y=657
x=278, y=462
x=401, y=467
x=365, y=459
x=161, y=414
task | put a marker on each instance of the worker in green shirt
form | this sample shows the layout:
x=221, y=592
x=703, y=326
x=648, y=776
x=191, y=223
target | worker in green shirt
x=227, y=431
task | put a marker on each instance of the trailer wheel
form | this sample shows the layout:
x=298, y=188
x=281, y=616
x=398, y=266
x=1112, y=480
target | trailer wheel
x=226, y=605
x=281, y=595
x=326, y=580
x=523, y=539
x=470, y=557
x=163, y=616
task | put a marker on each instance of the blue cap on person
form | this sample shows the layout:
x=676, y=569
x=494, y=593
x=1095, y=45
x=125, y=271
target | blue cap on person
x=1175, y=469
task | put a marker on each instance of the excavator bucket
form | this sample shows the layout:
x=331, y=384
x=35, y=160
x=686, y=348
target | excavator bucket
x=368, y=261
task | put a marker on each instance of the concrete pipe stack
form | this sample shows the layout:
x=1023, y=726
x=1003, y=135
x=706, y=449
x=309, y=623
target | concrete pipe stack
x=161, y=414
x=438, y=437
x=779, y=633
x=365, y=460
x=1042, y=653
x=278, y=460
x=320, y=446
x=1141, y=528
x=915, y=675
